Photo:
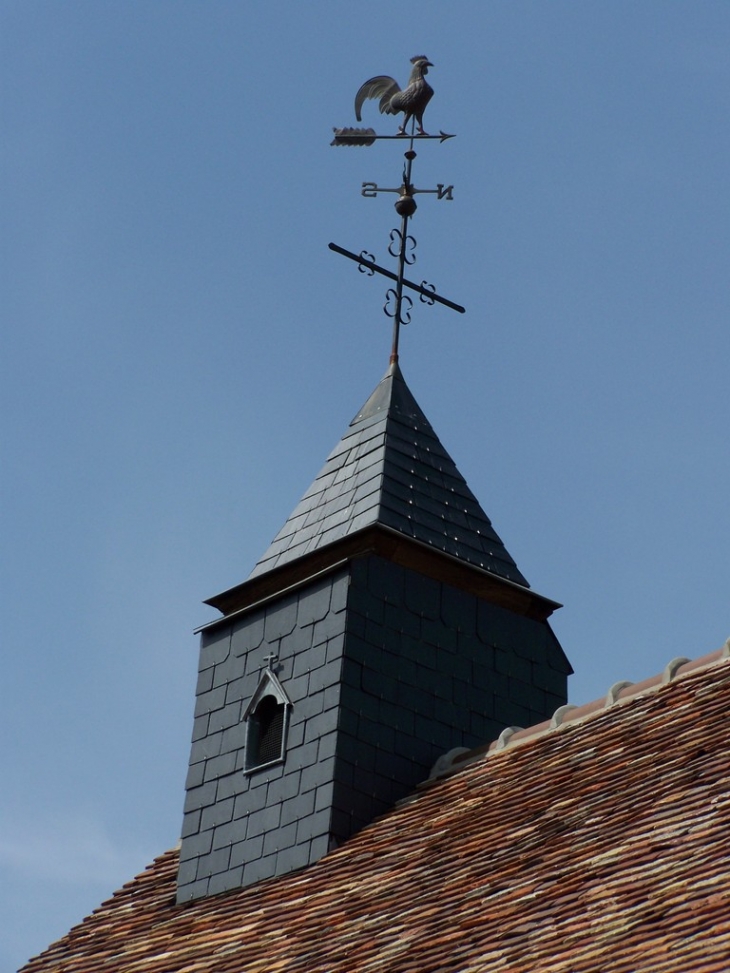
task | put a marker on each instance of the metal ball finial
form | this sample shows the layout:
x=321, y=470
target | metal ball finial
x=405, y=205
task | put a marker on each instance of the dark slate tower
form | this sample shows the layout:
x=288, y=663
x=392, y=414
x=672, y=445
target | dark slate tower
x=385, y=625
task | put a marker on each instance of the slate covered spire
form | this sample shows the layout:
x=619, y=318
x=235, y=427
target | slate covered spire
x=385, y=626
x=390, y=469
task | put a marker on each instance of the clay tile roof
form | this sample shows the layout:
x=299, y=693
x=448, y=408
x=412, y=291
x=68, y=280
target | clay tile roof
x=599, y=845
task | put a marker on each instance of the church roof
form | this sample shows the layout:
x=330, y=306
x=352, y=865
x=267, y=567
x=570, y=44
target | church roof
x=595, y=844
x=391, y=469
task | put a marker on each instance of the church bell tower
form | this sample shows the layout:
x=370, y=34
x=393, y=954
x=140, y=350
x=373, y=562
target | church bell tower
x=385, y=625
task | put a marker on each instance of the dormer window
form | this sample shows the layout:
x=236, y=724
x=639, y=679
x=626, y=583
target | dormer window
x=266, y=718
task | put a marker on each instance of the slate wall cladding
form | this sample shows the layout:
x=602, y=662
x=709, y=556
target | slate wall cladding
x=237, y=827
x=386, y=670
x=427, y=668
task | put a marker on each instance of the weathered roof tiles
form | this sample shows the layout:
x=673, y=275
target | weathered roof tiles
x=601, y=847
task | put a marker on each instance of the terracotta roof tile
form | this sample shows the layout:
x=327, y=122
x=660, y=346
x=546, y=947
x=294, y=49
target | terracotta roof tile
x=599, y=845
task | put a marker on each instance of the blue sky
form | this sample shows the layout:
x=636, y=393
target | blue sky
x=181, y=351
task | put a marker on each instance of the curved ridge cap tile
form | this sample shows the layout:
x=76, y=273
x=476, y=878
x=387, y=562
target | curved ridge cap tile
x=516, y=734
x=505, y=736
x=445, y=763
x=704, y=661
x=615, y=691
x=561, y=714
x=585, y=709
x=672, y=668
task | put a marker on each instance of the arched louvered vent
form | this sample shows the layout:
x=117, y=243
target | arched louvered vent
x=266, y=722
x=265, y=733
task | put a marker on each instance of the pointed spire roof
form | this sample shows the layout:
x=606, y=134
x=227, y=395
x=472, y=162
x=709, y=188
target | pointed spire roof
x=390, y=469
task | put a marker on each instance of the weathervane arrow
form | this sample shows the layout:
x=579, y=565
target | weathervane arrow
x=366, y=136
x=412, y=101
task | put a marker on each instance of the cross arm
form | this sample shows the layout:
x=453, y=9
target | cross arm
x=371, y=265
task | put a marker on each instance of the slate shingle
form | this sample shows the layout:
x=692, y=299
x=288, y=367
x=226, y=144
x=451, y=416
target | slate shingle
x=391, y=469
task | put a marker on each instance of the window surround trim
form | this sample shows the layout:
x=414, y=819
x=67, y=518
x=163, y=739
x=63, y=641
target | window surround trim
x=268, y=685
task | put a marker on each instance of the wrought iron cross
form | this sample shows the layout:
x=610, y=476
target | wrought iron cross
x=402, y=244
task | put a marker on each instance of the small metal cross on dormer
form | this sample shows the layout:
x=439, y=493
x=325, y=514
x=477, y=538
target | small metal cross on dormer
x=270, y=661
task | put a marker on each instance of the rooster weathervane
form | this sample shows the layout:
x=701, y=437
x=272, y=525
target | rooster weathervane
x=412, y=101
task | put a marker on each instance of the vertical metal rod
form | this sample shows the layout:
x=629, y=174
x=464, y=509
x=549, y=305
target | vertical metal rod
x=402, y=255
x=399, y=289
